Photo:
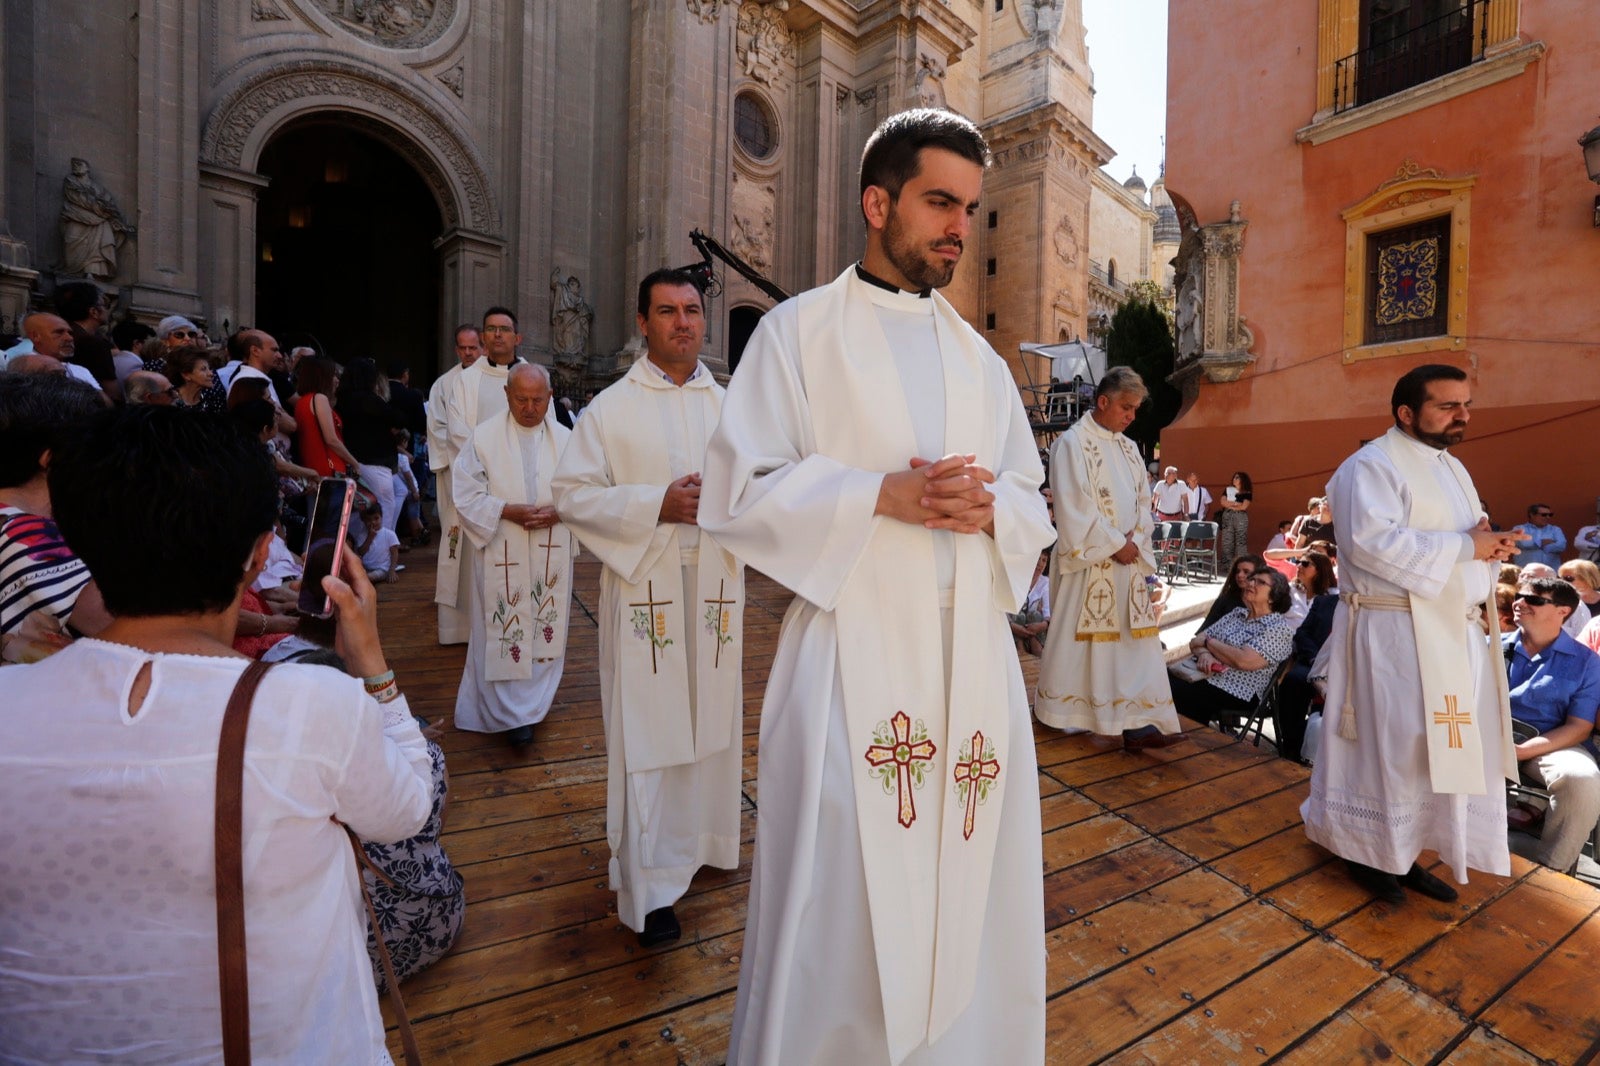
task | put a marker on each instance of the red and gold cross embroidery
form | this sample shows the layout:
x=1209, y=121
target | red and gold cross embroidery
x=898, y=760
x=1452, y=719
x=976, y=770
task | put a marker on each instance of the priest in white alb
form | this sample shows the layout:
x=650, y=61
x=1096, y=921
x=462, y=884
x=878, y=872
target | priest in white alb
x=520, y=562
x=671, y=614
x=449, y=575
x=874, y=457
x=1102, y=670
x=1417, y=733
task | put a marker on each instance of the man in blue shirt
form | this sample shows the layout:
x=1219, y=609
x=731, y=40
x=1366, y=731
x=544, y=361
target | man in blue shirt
x=1555, y=688
x=1542, y=541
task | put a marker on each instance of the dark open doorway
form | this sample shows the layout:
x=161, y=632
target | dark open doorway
x=741, y=323
x=344, y=248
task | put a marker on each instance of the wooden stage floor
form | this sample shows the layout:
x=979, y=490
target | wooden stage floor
x=1187, y=917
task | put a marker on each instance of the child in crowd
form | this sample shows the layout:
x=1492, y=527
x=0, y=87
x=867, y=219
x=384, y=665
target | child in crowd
x=379, y=547
x=1029, y=625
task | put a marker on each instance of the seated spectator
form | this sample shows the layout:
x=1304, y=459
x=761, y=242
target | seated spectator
x=146, y=386
x=34, y=363
x=1588, y=540
x=1509, y=575
x=111, y=745
x=1280, y=539
x=126, y=338
x=47, y=597
x=378, y=547
x=1313, y=578
x=1029, y=625
x=1315, y=525
x=1160, y=593
x=1505, y=599
x=1541, y=539
x=1232, y=592
x=189, y=370
x=1555, y=690
x=257, y=419
x=1239, y=653
x=1584, y=576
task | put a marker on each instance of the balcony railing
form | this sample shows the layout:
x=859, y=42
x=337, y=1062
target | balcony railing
x=1422, y=53
x=1104, y=277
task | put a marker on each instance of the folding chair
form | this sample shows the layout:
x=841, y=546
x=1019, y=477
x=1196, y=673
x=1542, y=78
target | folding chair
x=1199, y=548
x=1528, y=785
x=1166, y=540
x=1242, y=723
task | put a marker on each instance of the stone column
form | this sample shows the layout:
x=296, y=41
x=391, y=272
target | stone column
x=166, y=279
x=471, y=277
x=228, y=254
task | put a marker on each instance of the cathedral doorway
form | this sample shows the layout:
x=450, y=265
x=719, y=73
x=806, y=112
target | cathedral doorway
x=345, y=248
x=741, y=323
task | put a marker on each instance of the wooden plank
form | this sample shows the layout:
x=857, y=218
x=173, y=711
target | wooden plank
x=1085, y=840
x=1152, y=781
x=1271, y=862
x=1324, y=895
x=1550, y=1011
x=1482, y=957
x=1386, y=936
x=1483, y=1048
x=1200, y=801
x=1095, y=1019
x=1085, y=888
x=1239, y=827
x=1392, y=1023
x=1081, y=949
x=1063, y=807
x=694, y=1035
x=1254, y=1019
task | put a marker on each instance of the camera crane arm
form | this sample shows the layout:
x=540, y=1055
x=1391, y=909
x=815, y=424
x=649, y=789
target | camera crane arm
x=709, y=248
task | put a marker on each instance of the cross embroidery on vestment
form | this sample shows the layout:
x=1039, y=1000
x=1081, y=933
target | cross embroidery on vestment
x=1453, y=720
x=549, y=545
x=976, y=770
x=898, y=759
x=718, y=620
x=650, y=623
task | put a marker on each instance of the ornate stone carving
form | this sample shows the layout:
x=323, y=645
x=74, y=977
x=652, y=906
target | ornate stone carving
x=1213, y=339
x=927, y=88
x=454, y=79
x=706, y=10
x=1066, y=240
x=393, y=23
x=1408, y=170
x=1042, y=18
x=266, y=11
x=444, y=160
x=92, y=226
x=571, y=318
x=754, y=222
x=765, y=44
x=841, y=93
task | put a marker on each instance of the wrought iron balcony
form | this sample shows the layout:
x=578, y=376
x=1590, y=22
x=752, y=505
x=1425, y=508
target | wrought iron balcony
x=1424, y=52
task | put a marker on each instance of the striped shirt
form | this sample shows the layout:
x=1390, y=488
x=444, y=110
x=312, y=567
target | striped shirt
x=40, y=579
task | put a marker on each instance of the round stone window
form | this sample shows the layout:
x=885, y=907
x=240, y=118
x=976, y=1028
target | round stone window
x=753, y=126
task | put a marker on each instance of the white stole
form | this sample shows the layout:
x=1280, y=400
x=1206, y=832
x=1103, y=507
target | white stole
x=1455, y=746
x=660, y=728
x=526, y=575
x=927, y=851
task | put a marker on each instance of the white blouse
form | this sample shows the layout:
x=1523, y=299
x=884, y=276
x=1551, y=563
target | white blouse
x=108, y=943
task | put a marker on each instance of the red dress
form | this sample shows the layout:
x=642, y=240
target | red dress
x=254, y=645
x=308, y=442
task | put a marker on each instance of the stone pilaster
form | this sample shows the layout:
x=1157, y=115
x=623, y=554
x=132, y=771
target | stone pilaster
x=228, y=255
x=471, y=279
x=1213, y=339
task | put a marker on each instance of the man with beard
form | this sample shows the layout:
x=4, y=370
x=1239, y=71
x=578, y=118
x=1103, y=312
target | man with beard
x=1423, y=725
x=874, y=457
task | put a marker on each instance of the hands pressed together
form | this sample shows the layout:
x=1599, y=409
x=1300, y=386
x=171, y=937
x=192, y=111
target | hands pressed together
x=1490, y=546
x=948, y=494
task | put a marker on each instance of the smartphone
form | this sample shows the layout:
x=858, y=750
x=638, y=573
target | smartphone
x=330, y=517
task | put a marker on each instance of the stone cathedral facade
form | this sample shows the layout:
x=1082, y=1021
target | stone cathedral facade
x=364, y=174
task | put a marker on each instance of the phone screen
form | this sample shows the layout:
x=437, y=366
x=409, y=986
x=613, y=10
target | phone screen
x=330, y=516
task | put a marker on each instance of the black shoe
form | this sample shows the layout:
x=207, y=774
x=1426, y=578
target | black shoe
x=1420, y=880
x=660, y=927
x=520, y=737
x=1385, y=886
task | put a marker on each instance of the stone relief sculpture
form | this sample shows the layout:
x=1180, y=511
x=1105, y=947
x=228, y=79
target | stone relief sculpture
x=1066, y=238
x=752, y=240
x=571, y=317
x=1041, y=17
x=928, y=88
x=765, y=43
x=1187, y=318
x=92, y=226
x=707, y=10
x=396, y=23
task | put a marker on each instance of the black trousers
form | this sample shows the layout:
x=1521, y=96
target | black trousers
x=1205, y=702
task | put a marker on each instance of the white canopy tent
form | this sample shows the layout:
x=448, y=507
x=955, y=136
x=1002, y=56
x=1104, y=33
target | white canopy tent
x=1071, y=359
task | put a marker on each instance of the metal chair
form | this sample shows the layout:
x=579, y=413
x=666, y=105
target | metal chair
x=1200, y=549
x=1166, y=540
x=1241, y=724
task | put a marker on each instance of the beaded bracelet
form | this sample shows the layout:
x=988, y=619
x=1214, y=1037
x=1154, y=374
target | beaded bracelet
x=386, y=693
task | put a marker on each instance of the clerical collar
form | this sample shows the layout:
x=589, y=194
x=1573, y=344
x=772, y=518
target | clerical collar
x=872, y=279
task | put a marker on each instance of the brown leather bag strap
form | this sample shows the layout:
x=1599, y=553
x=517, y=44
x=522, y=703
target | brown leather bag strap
x=408, y=1039
x=232, y=964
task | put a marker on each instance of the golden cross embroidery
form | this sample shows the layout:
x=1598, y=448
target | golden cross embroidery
x=970, y=772
x=549, y=545
x=1099, y=598
x=902, y=753
x=1453, y=719
x=657, y=620
x=721, y=604
x=506, y=566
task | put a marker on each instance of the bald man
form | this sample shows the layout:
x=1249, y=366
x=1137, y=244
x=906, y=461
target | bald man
x=51, y=336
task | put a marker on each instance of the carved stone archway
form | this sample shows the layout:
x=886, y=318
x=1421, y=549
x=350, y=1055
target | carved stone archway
x=247, y=116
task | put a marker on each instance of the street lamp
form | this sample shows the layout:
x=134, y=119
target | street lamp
x=1590, y=143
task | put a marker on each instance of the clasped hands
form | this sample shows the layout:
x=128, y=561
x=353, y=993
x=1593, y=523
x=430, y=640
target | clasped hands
x=529, y=516
x=948, y=493
x=1491, y=546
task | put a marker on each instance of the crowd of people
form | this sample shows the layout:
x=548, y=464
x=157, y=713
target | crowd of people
x=924, y=555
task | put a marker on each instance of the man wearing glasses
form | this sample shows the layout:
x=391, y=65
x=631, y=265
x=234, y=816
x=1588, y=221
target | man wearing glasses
x=1541, y=540
x=1555, y=691
x=1418, y=727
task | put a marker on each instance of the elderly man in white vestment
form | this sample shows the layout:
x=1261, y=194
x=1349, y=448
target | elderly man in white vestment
x=1417, y=696
x=874, y=457
x=671, y=606
x=450, y=575
x=521, y=562
x=1103, y=670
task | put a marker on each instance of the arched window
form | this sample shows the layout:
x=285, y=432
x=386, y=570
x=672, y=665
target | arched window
x=1111, y=273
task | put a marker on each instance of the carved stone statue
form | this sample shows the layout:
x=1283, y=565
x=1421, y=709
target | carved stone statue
x=92, y=226
x=1041, y=17
x=1187, y=318
x=571, y=316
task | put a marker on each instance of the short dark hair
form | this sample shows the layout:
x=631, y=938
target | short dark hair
x=360, y=378
x=893, y=157
x=164, y=506
x=498, y=310
x=182, y=360
x=465, y=327
x=129, y=333
x=1412, y=388
x=1557, y=590
x=239, y=344
x=248, y=390
x=38, y=412
x=75, y=299
x=252, y=416
x=1278, y=599
x=1535, y=507
x=673, y=276
x=396, y=368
